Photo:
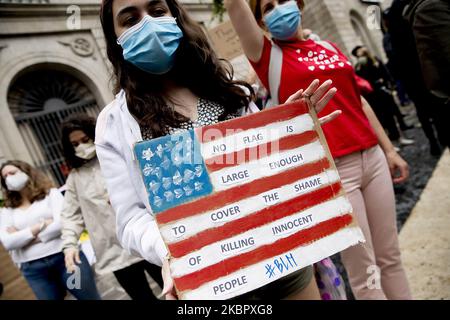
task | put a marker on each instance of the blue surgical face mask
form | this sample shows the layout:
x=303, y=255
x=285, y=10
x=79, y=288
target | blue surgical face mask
x=283, y=20
x=150, y=45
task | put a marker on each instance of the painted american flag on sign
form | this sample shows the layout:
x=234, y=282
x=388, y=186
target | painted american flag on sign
x=245, y=202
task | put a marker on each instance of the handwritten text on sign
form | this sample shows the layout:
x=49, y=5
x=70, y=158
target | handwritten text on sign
x=226, y=41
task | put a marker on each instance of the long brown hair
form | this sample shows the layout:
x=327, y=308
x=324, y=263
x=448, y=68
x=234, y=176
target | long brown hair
x=196, y=67
x=38, y=185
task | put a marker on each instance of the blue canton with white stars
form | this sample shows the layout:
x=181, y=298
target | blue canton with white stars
x=173, y=170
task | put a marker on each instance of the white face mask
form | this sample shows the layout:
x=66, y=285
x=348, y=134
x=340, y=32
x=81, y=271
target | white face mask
x=17, y=181
x=85, y=151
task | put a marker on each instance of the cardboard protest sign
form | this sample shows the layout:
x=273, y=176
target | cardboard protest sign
x=225, y=41
x=245, y=202
x=227, y=45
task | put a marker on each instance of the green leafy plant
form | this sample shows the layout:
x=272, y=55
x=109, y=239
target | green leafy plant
x=218, y=9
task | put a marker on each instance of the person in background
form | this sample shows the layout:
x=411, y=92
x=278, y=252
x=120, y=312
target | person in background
x=372, y=69
x=430, y=23
x=406, y=60
x=86, y=205
x=365, y=157
x=392, y=68
x=30, y=227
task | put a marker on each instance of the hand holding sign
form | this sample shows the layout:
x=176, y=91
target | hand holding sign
x=168, y=290
x=318, y=97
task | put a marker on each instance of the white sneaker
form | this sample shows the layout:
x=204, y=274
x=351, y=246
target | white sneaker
x=406, y=142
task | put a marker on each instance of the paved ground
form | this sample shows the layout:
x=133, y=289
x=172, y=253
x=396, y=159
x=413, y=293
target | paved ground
x=425, y=238
x=408, y=194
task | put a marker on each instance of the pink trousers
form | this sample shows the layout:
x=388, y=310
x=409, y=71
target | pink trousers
x=375, y=269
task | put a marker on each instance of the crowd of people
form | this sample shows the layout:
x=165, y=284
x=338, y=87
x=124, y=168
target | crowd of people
x=168, y=78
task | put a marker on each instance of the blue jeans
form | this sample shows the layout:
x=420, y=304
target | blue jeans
x=49, y=279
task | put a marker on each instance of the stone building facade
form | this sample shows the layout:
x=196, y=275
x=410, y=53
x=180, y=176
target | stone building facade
x=53, y=63
x=347, y=22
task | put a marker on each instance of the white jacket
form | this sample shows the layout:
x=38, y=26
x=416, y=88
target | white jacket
x=116, y=134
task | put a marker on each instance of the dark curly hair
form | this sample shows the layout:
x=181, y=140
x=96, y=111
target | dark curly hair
x=75, y=122
x=38, y=186
x=196, y=67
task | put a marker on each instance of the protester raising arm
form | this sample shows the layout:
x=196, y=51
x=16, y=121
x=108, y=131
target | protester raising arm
x=357, y=142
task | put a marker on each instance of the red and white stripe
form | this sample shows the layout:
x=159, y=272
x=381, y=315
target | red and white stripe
x=289, y=201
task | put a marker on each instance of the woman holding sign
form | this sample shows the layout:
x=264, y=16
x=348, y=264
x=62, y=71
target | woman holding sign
x=357, y=141
x=169, y=78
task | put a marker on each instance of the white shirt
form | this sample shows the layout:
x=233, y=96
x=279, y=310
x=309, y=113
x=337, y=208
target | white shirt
x=19, y=243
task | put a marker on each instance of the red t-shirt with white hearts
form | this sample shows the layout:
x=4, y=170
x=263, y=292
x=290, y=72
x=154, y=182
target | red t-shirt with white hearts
x=304, y=61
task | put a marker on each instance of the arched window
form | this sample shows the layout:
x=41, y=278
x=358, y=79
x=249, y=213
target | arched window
x=40, y=99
